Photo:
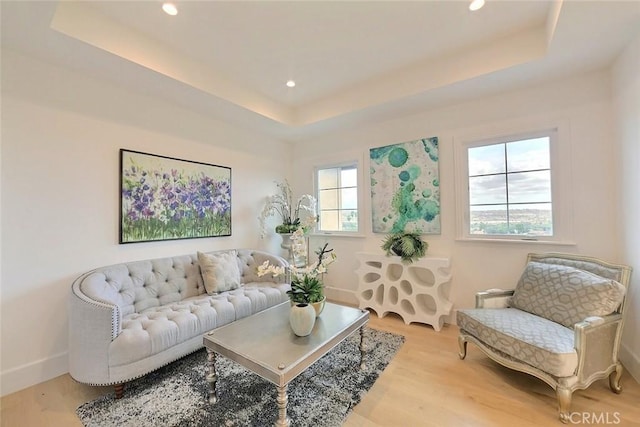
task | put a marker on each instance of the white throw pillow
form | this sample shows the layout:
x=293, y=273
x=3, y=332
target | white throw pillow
x=220, y=271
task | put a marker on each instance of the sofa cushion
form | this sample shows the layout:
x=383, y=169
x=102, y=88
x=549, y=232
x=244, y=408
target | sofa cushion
x=565, y=294
x=526, y=337
x=220, y=271
x=159, y=328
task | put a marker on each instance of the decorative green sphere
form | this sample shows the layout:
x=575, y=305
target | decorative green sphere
x=398, y=157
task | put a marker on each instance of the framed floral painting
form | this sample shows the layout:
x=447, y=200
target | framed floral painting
x=163, y=198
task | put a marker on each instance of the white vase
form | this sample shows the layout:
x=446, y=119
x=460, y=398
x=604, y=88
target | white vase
x=296, y=258
x=302, y=318
x=286, y=245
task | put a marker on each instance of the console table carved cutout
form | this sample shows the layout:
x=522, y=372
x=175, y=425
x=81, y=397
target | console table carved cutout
x=414, y=291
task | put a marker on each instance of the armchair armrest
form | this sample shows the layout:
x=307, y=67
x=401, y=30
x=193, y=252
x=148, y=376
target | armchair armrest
x=596, y=342
x=493, y=298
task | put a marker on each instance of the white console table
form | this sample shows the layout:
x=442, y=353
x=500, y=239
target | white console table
x=414, y=291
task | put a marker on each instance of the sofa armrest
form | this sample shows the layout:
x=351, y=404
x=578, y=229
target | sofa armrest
x=597, y=342
x=493, y=298
x=92, y=326
x=251, y=259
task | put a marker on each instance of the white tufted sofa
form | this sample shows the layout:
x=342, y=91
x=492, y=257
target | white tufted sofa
x=129, y=319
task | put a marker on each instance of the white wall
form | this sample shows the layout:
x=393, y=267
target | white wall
x=626, y=107
x=581, y=105
x=61, y=133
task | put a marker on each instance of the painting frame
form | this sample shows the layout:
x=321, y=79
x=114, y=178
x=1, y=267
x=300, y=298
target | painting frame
x=405, y=187
x=166, y=198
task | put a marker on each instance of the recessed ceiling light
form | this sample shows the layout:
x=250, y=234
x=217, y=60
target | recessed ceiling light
x=476, y=4
x=170, y=9
x=291, y=83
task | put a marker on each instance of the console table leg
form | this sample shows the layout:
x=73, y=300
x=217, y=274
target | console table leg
x=363, y=366
x=282, y=399
x=211, y=375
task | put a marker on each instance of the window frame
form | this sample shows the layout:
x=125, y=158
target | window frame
x=559, y=153
x=357, y=163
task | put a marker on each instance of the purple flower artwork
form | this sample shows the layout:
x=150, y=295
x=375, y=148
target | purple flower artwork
x=163, y=198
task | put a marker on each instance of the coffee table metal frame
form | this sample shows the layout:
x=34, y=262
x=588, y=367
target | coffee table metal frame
x=265, y=344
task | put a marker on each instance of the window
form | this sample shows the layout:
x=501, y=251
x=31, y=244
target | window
x=510, y=189
x=337, y=188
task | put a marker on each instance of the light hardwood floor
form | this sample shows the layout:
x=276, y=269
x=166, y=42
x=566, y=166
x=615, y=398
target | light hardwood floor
x=426, y=384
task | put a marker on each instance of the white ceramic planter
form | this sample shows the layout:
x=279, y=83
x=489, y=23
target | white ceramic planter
x=302, y=318
x=286, y=245
x=319, y=306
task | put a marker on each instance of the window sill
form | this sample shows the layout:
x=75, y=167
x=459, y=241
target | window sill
x=336, y=234
x=517, y=241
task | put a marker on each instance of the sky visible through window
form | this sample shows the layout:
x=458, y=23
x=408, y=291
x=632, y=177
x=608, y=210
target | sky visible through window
x=510, y=188
x=338, y=198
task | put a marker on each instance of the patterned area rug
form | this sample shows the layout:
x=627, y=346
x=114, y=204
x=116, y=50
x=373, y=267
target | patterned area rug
x=176, y=395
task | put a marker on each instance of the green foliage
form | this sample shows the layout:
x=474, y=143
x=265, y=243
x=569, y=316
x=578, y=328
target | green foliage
x=288, y=228
x=306, y=289
x=408, y=246
x=514, y=228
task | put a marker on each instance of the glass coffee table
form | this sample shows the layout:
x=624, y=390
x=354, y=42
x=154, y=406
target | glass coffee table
x=265, y=344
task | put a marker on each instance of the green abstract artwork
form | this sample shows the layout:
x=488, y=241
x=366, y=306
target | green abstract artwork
x=405, y=187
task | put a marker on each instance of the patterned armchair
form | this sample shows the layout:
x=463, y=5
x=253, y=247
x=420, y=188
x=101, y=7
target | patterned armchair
x=562, y=323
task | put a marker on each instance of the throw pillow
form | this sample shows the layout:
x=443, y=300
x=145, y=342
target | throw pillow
x=565, y=294
x=220, y=271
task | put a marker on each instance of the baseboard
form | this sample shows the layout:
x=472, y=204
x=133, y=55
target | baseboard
x=341, y=296
x=630, y=361
x=33, y=373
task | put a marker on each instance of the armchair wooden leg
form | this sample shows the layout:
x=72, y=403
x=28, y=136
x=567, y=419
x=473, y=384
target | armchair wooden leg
x=564, y=402
x=614, y=379
x=462, y=343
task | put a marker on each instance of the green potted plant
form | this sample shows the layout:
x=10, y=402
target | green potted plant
x=408, y=246
x=306, y=282
x=306, y=289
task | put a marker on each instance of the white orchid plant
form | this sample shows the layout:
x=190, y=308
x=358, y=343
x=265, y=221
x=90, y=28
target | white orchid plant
x=305, y=274
x=281, y=204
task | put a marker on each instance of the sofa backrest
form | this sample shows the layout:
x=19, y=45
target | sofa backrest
x=139, y=285
x=250, y=260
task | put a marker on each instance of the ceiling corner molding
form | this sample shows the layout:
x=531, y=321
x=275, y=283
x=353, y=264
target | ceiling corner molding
x=80, y=21
x=431, y=74
x=552, y=19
